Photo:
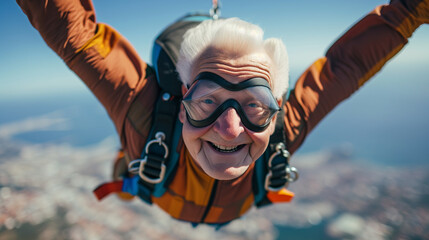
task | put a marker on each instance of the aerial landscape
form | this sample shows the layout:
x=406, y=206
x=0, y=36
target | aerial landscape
x=46, y=193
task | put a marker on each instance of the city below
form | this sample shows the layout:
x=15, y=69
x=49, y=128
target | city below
x=46, y=193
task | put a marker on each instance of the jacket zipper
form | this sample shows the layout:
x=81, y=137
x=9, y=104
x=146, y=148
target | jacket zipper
x=211, y=199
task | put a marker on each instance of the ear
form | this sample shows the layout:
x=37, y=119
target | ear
x=184, y=89
x=182, y=114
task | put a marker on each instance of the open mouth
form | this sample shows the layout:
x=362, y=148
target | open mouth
x=225, y=149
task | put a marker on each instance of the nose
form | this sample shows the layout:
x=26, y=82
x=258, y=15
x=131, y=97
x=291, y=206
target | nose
x=229, y=125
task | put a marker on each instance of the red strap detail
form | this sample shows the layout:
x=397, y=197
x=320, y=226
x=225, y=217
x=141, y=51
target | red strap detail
x=107, y=188
x=283, y=195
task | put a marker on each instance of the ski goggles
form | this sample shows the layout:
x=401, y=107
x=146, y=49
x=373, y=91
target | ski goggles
x=210, y=95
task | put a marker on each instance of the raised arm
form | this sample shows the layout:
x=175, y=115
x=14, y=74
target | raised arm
x=352, y=60
x=98, y=54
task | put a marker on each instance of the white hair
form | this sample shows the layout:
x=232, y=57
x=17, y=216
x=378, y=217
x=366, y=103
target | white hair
x=237, y=35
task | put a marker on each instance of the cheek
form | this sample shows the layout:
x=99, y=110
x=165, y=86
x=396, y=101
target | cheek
x=191, y=132
x=192, y=137
x=259, y=143
x=262, y=138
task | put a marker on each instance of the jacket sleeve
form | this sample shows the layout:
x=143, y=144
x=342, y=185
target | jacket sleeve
x=352, y=60
x=104, y=60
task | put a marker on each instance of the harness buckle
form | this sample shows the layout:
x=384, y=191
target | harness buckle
x=147, y=178
x=132, y=168
x=291, y=173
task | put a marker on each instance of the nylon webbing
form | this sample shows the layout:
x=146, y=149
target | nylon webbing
x=277, y=164
x=164, y=120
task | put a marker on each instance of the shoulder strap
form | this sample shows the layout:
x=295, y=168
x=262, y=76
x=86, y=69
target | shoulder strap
x=159, y=158
x=166, y=51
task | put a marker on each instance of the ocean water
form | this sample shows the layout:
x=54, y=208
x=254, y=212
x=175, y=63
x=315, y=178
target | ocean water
x=79, y=119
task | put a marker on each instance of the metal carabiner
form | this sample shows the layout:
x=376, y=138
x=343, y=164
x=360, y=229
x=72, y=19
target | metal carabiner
x=132, y=168
x=149, y=179
x=280, y=150
x=291, y=172
x=159, y=137
x=215, y=10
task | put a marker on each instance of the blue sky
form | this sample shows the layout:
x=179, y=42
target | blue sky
x=388, y=116
x=29, y=68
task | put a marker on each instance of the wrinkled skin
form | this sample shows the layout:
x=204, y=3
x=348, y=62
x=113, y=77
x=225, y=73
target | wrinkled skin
x=227, y=132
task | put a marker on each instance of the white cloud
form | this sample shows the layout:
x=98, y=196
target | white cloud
x=54, y=121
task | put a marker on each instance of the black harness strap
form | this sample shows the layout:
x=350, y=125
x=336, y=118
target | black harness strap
x=278, y=172
x=278, y=163
x=154, y=162
x=154, y=159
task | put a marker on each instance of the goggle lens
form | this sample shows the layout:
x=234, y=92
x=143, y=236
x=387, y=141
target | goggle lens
x=211, y=95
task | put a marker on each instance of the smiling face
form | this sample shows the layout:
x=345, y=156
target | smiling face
x=225, y=149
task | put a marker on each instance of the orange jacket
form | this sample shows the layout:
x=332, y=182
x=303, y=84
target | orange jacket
x=114, y=72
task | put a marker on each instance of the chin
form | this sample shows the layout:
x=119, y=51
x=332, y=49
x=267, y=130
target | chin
x=226, y=174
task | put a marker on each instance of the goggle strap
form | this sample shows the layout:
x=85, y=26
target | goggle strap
x=252, y=82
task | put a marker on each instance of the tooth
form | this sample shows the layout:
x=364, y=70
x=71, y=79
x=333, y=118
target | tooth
x=225, y=147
